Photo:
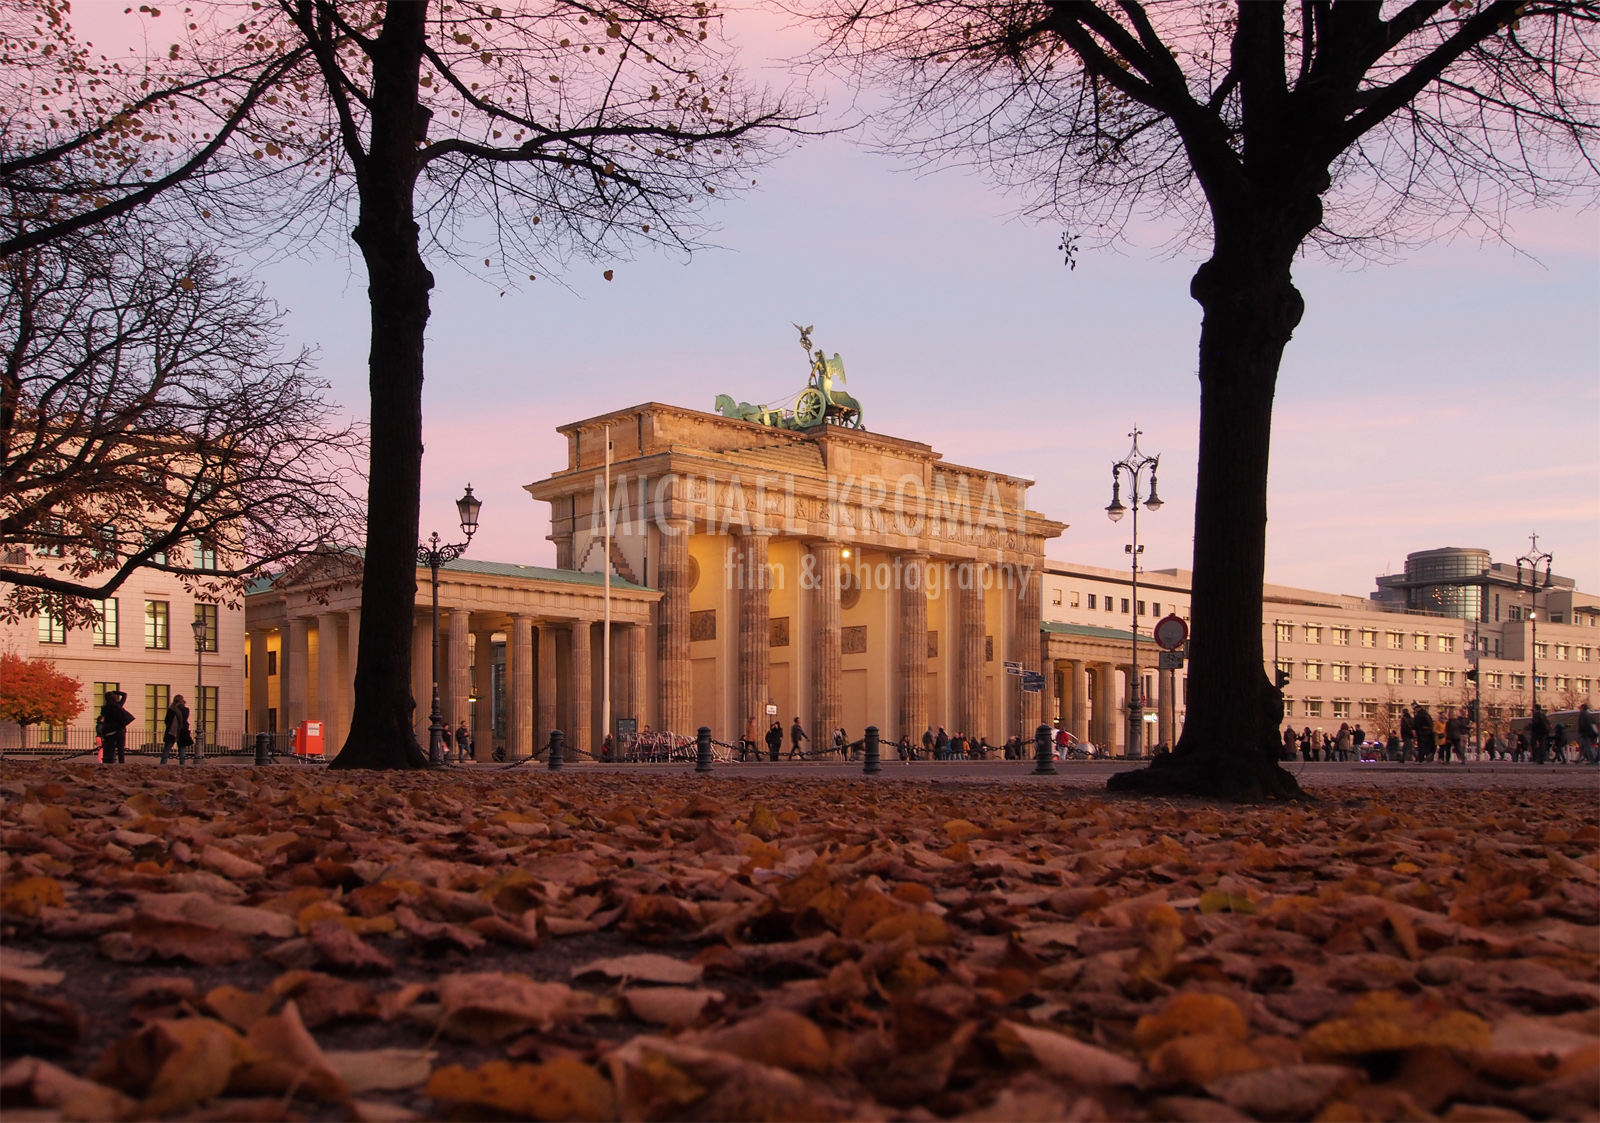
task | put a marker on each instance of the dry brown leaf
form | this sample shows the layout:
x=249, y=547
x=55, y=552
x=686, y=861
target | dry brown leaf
x=643, y=968
x=560, y=1089
x=1060, y=1055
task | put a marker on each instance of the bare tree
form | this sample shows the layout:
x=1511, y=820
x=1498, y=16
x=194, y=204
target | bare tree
x=1266, y=130
x=148, y=419
x=560, y=127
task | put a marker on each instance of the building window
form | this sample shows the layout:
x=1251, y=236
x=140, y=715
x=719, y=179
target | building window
x=1583, y=654
x=1341, y=637
x=1581, y=685
x=1447, y=644
x=1369, y=711
x=1141, y=608
x=1519, y=682
x=1541, y=682
x=1397, y=641
x=1396, y=676
x=1124, y=606
x=53, y=531
x=1541, y=650
x=1313, y=633
x=272, y=719
x=1288, y=707
x=1092, y=600
x=1419, y=676
x=1313, y=672
x=157, y=696
x=52, y=620
x=1561, y=682
x=156, y=635
x=1369, y=672
x=159, y=557
x=1055, y=596
x=101, y=689
x=1313, y=707
x=1563, y=651
x=1155, y=608
x=272, y=662
x=1286, y=669
x=205, y=555
x=1447, y=678
x=1075, y=603
x=1514, y=613
x=1558, y=618
x=1285, y=632
x=1419, y=641
x=1107, y=601
x=105, y=627
x=1341, y=707
x=1341, y=673
x=1369, y=637
x=1492, y=680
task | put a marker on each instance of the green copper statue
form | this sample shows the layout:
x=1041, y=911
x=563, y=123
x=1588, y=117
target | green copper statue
x=819, y=403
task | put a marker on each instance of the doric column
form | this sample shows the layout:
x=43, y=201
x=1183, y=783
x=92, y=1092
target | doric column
x=328, y=711
x=519, y=675
x=1165, y=714
x=755, y=631
x=258, y=680
x=547, y=686
x=672, y=629
x=637, y=670
x=483, y=685
x=422, y=674
x=1079, y=727
x=1049, y=699
x=1030, y=613
x=294, y=679
x=825, y=655
x=969, y=652
x=352, y=648
x=457, y=684
x=581, y=726
x=913, y=645
x=1105, y=708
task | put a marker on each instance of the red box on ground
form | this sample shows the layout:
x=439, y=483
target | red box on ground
x=308, y=739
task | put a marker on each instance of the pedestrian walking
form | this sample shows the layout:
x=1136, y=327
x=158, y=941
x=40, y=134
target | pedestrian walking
x=1539, y=735
x=796, y=735
x=1588, y=735
x=1408, y=735
x=463, y=742
x=1291, y=743
x=748, y=743
x=1422, y=729
x=176, y=730
x=774, y=739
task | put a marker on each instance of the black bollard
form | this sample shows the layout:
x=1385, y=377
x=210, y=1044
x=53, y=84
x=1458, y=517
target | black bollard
x=702, y=762
x=263, y=748
x=558, y=751
x=1043, y=752
x=874, y=764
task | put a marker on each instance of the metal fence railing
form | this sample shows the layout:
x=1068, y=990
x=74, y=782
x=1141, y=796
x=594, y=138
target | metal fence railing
x=61, y=744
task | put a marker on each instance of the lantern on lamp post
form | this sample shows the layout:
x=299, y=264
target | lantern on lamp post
x=433, y=554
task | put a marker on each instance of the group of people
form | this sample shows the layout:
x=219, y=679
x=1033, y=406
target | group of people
x=111, y=729
x=1419, y=737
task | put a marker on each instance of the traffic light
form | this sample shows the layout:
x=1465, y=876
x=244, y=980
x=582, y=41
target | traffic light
x=1472, y=675
x=1472, y=709
x=1282, y=678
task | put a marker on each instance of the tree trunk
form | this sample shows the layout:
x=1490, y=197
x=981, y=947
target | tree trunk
x=1229, y=743
x=398, y=284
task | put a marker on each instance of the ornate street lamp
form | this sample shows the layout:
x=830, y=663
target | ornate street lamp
x=199, y=629
x=1532, y=559
x=433, y=554
x=1134, y=464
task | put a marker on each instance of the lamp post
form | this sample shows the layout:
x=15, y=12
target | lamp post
x=433, y=554
x=1134, y=464
x=199, y=629
x=1532, y=558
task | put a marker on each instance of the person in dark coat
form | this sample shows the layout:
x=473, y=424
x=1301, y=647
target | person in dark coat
x=1539, y=735
x=176, y=731
x=1422, y=727
x=1408, y=738
x=796, y=735
x=774, y=739
x=463, y=741
x=112, y=727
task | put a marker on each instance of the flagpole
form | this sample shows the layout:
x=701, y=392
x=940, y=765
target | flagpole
x=605, y=642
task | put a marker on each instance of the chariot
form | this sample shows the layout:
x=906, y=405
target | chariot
x=818, y=404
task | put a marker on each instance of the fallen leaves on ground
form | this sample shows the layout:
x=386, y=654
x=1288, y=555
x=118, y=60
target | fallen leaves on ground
x=266, y=943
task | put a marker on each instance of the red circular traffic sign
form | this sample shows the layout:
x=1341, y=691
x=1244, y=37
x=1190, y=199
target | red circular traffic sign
x=1171, y=632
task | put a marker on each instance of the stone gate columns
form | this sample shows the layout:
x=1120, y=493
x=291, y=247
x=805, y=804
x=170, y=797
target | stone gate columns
x=547, y=687
x=1105, y=706
x=1079, y=726
x=295, y=679
x=672, y=629
x=913, y=645
x=755, y=630
x=969, y=652
x=519, y=693
x=635, y=695
x=457, y=685
x=581, y=727
x=825, y=660
x=1030, y=611
x=483, y=682
x=328, y=692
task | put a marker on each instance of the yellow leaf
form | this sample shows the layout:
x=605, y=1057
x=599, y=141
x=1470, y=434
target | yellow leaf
x=961, y=830
x=26, y=897
x=1385, y=1022
x=1190, y=1013
x=564, y=1088
x=1218, y=901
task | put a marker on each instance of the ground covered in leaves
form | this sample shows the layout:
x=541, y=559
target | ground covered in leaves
x=276, y=944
